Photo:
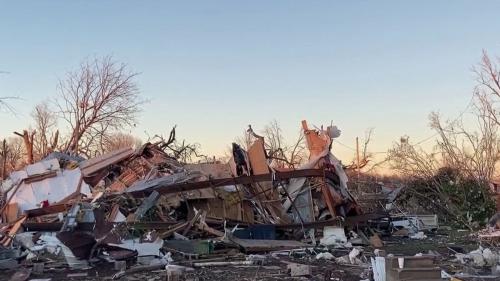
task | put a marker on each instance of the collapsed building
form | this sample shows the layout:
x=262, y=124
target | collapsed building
x=143, y=209
x=131, y=202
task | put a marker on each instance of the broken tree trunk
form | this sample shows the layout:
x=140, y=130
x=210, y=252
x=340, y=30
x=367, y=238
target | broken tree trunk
x=28, y=143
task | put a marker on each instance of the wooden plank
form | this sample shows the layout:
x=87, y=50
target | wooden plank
x=10, y=213
x=90, y=166
x=247, y=212
x=316, y=144
x=52, y=209
x=40, y=177
x=267, y=196
x=114, y=213
x=257, y=158
x=328, y=198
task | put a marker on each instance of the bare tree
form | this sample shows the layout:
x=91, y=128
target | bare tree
x=282, y=153
x=465, y=156
x=47, y=136
x=411, y=161
x=488, y=88
x=474, y=153
x=182, y=150
x=11, y=154
x=277, y=148
x=98, y=98
x=42, y=140
x=245, y=140
x=473, y=150
x=120, y=140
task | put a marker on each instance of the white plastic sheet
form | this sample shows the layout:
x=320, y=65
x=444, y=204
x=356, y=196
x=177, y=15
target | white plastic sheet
x=30, y=195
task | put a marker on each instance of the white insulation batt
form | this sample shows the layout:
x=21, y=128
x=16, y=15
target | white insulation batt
x=54, y=189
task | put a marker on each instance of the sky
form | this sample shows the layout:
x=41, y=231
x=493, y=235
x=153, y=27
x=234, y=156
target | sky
x=213, y=67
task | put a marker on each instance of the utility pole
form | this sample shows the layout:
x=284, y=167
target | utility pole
x=4, y=158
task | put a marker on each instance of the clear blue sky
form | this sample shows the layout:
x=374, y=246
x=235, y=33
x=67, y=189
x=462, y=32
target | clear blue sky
x=213, y=67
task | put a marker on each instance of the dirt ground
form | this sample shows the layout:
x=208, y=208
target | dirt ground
x=444, y=244
x=274, y=269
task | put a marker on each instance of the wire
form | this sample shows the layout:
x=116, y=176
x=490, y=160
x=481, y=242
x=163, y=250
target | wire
x=345, y=145
x=423, y=140
x=451, y=123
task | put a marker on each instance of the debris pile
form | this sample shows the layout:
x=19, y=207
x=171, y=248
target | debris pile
x=134, y=212
x=141, y=206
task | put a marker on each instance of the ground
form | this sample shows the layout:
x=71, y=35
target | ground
x=443, y=244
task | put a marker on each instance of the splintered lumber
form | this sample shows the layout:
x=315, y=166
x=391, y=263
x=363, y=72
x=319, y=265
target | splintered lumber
x=147, y=204
x=191, y=223
x=315, y=143
x=173, y=229
x=264, y=192
x=7, y=239
x=204, y=227
x=328, y=197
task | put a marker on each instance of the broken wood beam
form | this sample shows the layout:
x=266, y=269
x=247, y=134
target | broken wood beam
x=348, y=221
x=181, y=187
x=7, y=239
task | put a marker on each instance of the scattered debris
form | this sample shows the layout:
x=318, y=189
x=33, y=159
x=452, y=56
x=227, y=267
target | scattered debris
x=141, y=211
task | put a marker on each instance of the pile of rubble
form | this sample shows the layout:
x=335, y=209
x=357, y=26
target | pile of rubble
x=140, y=213
x=143, y=206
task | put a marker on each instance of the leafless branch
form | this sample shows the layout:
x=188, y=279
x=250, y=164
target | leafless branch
x=98, y=98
